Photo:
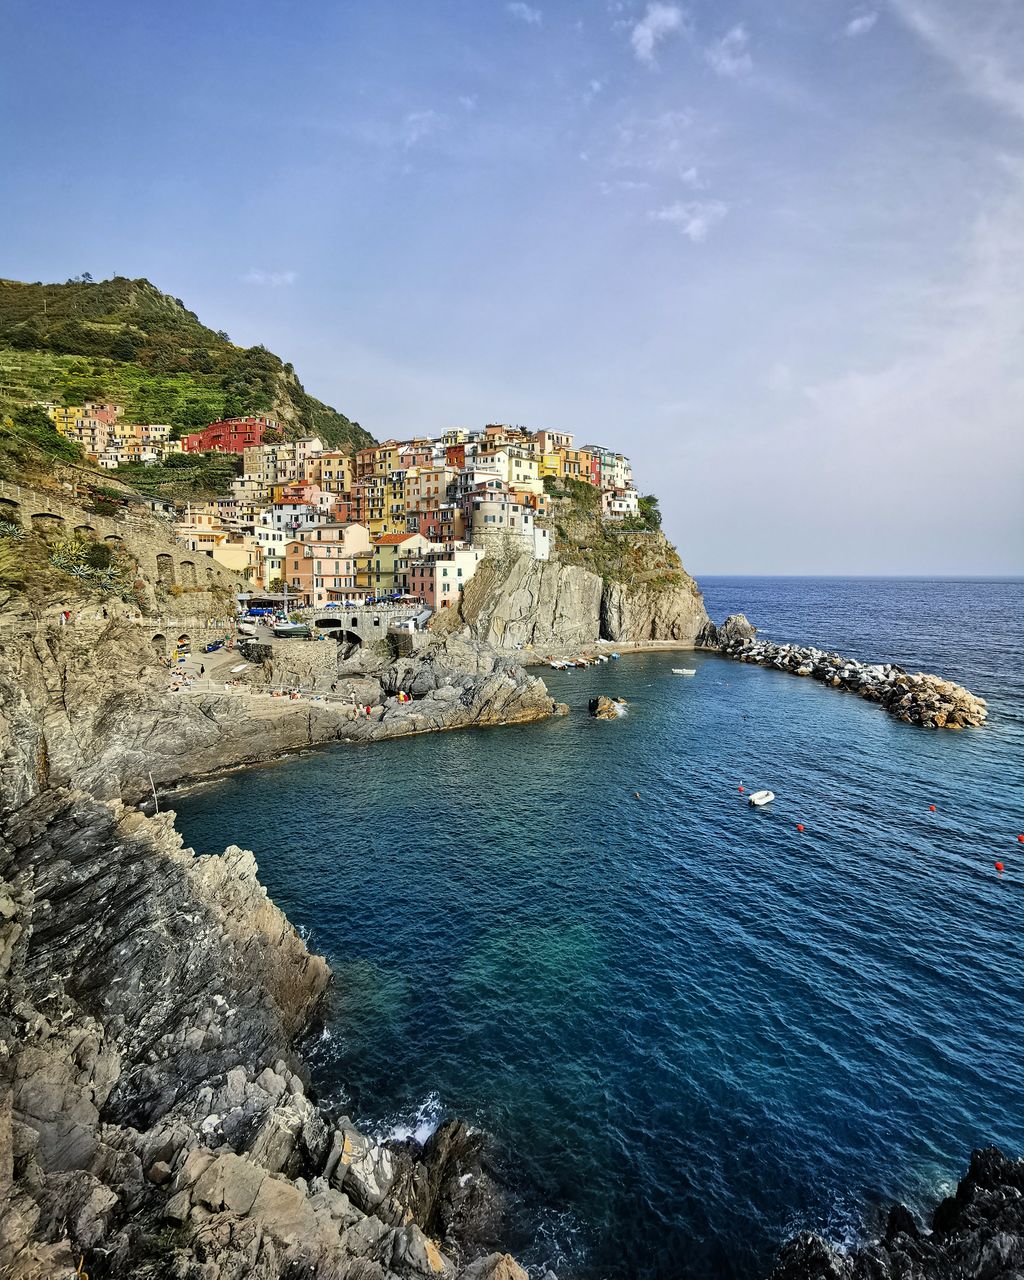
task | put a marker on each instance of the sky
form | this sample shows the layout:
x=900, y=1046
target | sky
x=772, y=251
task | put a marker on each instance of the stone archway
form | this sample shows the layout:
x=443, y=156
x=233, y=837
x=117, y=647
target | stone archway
x=84, y=529
x=159, y=642
x=10, y=511
x=165, y=570
x=187, y=572
x=184, y=643
x=47, y=521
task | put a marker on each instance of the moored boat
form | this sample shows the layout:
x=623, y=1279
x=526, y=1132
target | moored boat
x=759, y=798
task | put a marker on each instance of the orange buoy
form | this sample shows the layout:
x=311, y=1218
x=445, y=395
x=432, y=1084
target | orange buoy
x=799, y=826
x=1021, y=839
x=741, y=786
x=999, y=866
x=932, y=807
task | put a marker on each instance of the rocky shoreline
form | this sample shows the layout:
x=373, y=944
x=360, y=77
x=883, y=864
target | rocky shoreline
x=977, y=1232
x=925, y=700
x=155, y=1118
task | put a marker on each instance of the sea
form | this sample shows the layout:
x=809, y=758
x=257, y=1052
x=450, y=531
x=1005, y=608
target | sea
x=690, y=1029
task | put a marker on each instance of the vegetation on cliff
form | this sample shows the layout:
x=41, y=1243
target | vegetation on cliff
x=124, y=340
x=633, y=552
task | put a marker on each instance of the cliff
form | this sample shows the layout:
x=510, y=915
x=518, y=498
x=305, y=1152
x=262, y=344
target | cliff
x=154, y=1118
x=552, y=605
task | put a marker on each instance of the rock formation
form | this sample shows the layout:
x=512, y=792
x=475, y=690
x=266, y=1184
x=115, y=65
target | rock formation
x=978, y=1232
x=602, y=708
x=546, y=606
x=92, y=708
x=924, y=700
x=154, y=1117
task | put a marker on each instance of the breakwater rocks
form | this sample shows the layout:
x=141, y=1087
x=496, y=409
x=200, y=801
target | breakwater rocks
x=925, y=700
x=978, y=1232
x=154, y=1113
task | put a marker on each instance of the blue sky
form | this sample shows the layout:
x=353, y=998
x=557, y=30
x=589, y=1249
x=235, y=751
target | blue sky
x=775, y=252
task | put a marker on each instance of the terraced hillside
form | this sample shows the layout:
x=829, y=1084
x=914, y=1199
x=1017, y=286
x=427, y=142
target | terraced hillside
x=126, y=341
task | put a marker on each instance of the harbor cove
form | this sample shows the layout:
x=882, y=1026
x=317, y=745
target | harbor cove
x=512, y=641
x=672, y=1013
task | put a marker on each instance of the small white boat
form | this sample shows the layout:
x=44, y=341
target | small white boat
x=759, y=798
x=684, y=671
x=246, y=629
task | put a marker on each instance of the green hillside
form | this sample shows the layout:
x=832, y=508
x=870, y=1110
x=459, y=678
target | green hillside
x=126, y=341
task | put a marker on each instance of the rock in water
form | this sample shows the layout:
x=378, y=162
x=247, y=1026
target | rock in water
x=976, y=1234
x=603, y=708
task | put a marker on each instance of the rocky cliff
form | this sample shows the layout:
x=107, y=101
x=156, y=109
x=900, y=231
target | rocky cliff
x=154, y=1115
x=91, y=707
x=553, y=605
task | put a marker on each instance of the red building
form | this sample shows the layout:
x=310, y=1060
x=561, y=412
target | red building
x=232, y=435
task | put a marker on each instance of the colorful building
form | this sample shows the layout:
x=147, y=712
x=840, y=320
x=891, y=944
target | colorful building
x=230, y=435
x=393, y=554
x=439, y=577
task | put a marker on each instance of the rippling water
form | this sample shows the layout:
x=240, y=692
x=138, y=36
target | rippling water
x=692, y=1029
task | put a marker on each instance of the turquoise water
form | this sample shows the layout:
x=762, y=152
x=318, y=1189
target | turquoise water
x=691, y=1029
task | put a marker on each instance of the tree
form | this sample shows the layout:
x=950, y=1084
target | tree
x=124, y=347
x=649, y=511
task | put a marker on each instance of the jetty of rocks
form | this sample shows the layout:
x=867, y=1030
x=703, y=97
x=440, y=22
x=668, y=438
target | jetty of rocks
x=925, y=700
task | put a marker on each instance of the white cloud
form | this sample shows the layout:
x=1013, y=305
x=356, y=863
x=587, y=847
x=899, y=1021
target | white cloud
x=668, y=143
x=532, y=17
x=862, y=24
x=730, y=56
x=691, y=177
x=983, y=45
x=419, y=125
x=468, y=101
x=591, y=92
x=660, y=21
x=275, y=279
x=691, y=218
x=622, y=184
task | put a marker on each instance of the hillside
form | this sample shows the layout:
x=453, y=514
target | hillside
x=124, y=340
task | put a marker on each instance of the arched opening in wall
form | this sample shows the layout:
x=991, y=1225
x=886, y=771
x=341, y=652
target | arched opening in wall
x=160, y=644
x=114, y=540
x=47, y=522
x=187, y=570
x=329, y=623
x=165, y=570
x=84, y=528
x=349, y=637
x=184, y=643
x=10, y=511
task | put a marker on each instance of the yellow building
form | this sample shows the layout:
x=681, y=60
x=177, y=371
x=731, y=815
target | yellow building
x=391, y=562
x=64, y=419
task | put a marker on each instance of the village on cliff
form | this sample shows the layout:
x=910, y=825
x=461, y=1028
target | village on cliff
x=409, y=518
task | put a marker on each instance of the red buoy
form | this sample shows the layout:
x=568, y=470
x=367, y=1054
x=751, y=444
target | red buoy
x=741, y=786
x=999, y=866
x=1021, y=839
x=932, y=807
x=799, y=826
